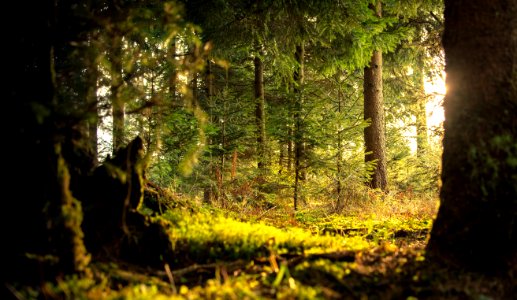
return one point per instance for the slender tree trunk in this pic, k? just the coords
(281, 157)
(92, 101)
(290, 146)
(209, 79)
(172, 73)
(339, 160)
(299, 154)
(420, 113)
(374, 135)
(260, 116)
(234, 165)
(209, 193)
(93, 123)
(117, 101)
(476, 226)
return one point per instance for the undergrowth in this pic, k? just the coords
(372, 249)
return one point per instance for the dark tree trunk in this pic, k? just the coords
(260, 115)
(299, 154)
(209, 79)
(172, 73)
(374, 136)
(117, 102)
(92, 101)
(281, 157)
(208, 192)
(290, 146)
(476, 226)
(44, 219)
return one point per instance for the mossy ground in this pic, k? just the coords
(371, 250)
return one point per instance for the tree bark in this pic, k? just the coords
(208, 192)
(290, 146)
(299, 154)
(117, 102)
(260, 115)
(374, 135)
(476, 224)
(92, 104)
(44, 220)
(172, 73)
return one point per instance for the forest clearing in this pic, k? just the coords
(227, 149)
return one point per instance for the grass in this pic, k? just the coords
(373, 249)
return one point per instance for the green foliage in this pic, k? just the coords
(332, 124)
(211, 237)
(418, 174)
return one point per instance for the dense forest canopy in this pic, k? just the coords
(284, 146)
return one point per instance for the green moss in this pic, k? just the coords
(216, 237)
(71, 217)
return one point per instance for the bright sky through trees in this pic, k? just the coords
(436, 90)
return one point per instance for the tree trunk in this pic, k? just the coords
(44, 220)
(339, 156)
(420, 112)
(208, 192)
(299, 154)
(260, 116)
(374, 136)
(234, 164)
(172, 73)
(476, 224)
(92, 104)
(117, 101)
(67, 234)
(290, 146)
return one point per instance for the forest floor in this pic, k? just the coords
(373, 250)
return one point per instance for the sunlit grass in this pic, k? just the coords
(261, 243)
(212, 237)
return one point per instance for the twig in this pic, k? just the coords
(171, 278)
(264, 213)
(348, 256)
(196, 267)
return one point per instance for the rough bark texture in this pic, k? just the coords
(374, 136)
(477, 221)
(260, 115)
